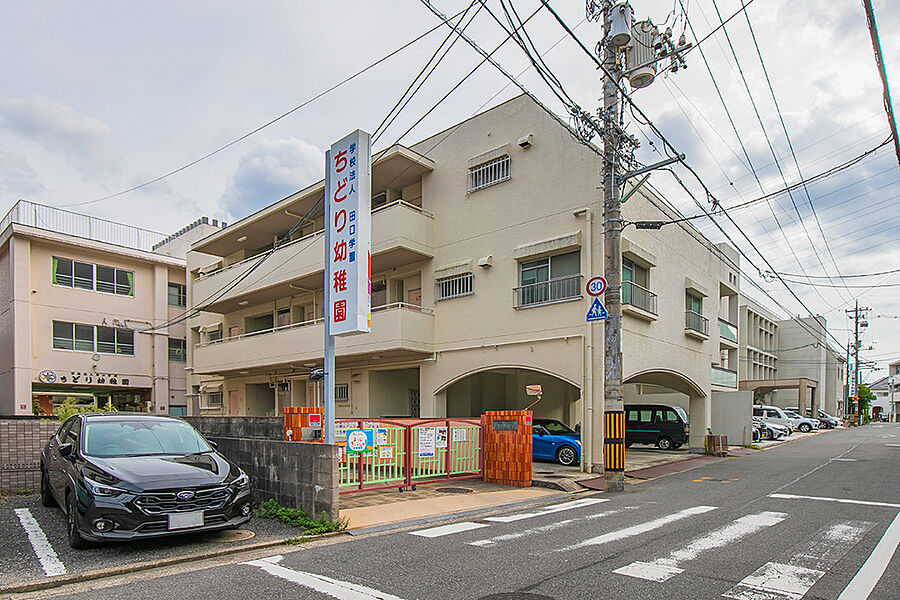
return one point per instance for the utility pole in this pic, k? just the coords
(853, 391)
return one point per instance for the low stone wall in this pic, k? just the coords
(21, 442)
(296, 474)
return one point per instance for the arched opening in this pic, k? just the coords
(670, 388)
(504, 389)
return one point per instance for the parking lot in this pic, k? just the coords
(42, 551)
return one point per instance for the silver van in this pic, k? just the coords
(773, 414)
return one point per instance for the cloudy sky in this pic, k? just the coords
(100, 97)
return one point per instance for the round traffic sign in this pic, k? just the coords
(596, 286)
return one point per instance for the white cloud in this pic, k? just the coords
(17, 178)
(269, 172)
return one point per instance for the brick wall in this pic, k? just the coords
(21, 442)
(507, 452)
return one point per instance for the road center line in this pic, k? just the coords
(868, 576)
(549, 510)
(627, 532)
(342, 590)
(838, 500)
(46, 554)
(434, 532)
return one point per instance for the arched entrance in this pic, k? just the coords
(663, 386)
(503, 388)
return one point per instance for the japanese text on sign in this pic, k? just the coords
(348, 239)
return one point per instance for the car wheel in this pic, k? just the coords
(566, 456)
(46, 495)
(664, 443)
(804, 427)
(74, 535)
(756, 435)
(628, 444)
(768, 434)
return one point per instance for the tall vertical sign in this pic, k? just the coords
(348, 243)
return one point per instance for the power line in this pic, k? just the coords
(879, 61)
(263, 126)
(891, 272)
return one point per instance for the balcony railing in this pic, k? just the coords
(728, 331)
(548, 292)
(723, 377)
(696, 322)
(318, 321)
(639, 297)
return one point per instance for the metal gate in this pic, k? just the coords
(407, 452)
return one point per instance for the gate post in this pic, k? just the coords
(507, 447)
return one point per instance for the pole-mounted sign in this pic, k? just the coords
(595, 286)
(348, 242)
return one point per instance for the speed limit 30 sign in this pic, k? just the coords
(595, 286)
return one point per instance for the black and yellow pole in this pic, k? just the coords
(614, 441)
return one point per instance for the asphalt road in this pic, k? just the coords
(764, 526)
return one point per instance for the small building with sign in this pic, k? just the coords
(76, 293)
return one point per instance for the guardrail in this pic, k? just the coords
(723, 377)
(696, 322)
(547, 292)
(728, 330)
(639, 297)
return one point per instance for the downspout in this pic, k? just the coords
(587, 405)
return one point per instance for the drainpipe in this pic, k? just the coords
(587, 404)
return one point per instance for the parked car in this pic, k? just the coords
(121, 476)
(770, 430)
(773, 414)
(825, 420)
(554, 440)
(664, 425)
(803, 424)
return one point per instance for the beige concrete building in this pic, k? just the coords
(789, 362)
(75, 291)
(483, 237)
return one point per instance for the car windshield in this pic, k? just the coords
(107, 439)
(555, 427)
(681, 413)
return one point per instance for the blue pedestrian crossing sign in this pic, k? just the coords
(597, 311)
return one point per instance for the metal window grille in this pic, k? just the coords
(487, 174)
(213, 399)
(342, 392)
(454, 287)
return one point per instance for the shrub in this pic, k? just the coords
(297, 517)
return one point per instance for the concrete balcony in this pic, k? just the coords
(723, 377)
(396, 328)
(696, 325)
(401, 234)
(728, 334)
(638, 301)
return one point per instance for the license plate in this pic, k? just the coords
(186, 520)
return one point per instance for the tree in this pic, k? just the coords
(866, 398)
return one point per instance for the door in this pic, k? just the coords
(233, 408)
(541, 446)
(414, 297)
(645, 432)
(54, 464)
(234, 331)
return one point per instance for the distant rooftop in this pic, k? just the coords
(51, 218)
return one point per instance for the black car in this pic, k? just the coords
(664, 425)
(127, 476)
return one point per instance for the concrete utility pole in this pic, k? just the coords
(614, 404)
(853, 391)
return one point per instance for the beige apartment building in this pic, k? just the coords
(483, 237)
(75, 294)
(789, 361)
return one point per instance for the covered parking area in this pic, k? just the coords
(804, 386)
(664, 386)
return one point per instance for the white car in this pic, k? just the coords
(773, 414)
(804, 425)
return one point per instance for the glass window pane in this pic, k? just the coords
(84, 276)
(63, 274)
(535, 271)
(124, 341)
(177, 295)
(63, 335)
(645, 416)
(106, 279)
(565, 264)
(124, 282)
(176, 350)
(106, 340)
(84, 337)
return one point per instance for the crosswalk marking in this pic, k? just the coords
(543, 529)
(342, 590)
(838, 500)
(791, 581)
(870, 573)
(548, 510)
(662, 569)
(434, 532)
(627, 532)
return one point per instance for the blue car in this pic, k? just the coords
(553, 440)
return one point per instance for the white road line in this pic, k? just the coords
(342, 590)
(893, 445)
(844, 459)
(791, 581)
(46, 554)
(662, 569)
(543, 529)
(627, 532)
(549, 510)
(434, 532)
(838, 500)
(867, 577)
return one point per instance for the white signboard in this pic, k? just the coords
(441, 437)
(459, 434)
(381, 437)
(348, 234)
(426, 442)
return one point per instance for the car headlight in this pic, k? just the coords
(99, 489)
(241, 481)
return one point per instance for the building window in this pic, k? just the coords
(487, 174)
(693, 303)
(177, 411)
(549, 279)
(214, 336)
(454, 287)
(177, 349)
(213, 400)
(177, 295)
(90, 338)
(342, 392)
(87, 276)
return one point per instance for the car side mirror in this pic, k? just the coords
(212, 444)
(65, 449)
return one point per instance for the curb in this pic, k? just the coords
(61, 580)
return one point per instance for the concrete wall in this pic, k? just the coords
(732, 416)
(265, 428)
